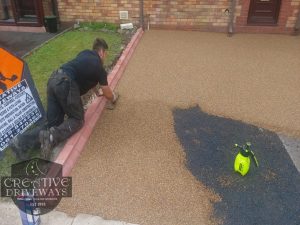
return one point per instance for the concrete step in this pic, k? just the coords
(292, 145)
(95, 220)
(55, 217)
(9, 214)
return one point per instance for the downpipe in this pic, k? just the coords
(142, 14)
(231, 13)
(297, 25)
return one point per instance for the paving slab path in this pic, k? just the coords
(133, 167)
(11, 216)
(21, 43)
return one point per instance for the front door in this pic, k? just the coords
(264, 12)
(26, 10)
(21, 12)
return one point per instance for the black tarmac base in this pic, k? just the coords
(267, 195)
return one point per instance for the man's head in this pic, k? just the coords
(101, 47)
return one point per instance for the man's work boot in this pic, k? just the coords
(47, 143)
(18, 150)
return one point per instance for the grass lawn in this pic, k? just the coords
(57, 52)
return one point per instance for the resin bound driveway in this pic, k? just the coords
(133, 167)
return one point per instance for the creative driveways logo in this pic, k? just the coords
(37, 184)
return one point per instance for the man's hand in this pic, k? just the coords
(111, 96)
(111, 104)
(107, 92)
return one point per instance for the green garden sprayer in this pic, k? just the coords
(242, 160)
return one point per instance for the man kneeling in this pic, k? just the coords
(64, 88)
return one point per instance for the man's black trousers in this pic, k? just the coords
(65, 113)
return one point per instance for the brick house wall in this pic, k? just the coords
(188, 14)
(97, 10)
(204, 15)
(47, 6)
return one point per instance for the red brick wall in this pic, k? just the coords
(177, 14)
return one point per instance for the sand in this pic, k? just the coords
(133, 168)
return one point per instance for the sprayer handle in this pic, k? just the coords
(254, 158)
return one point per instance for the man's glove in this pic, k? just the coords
(111, 104)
